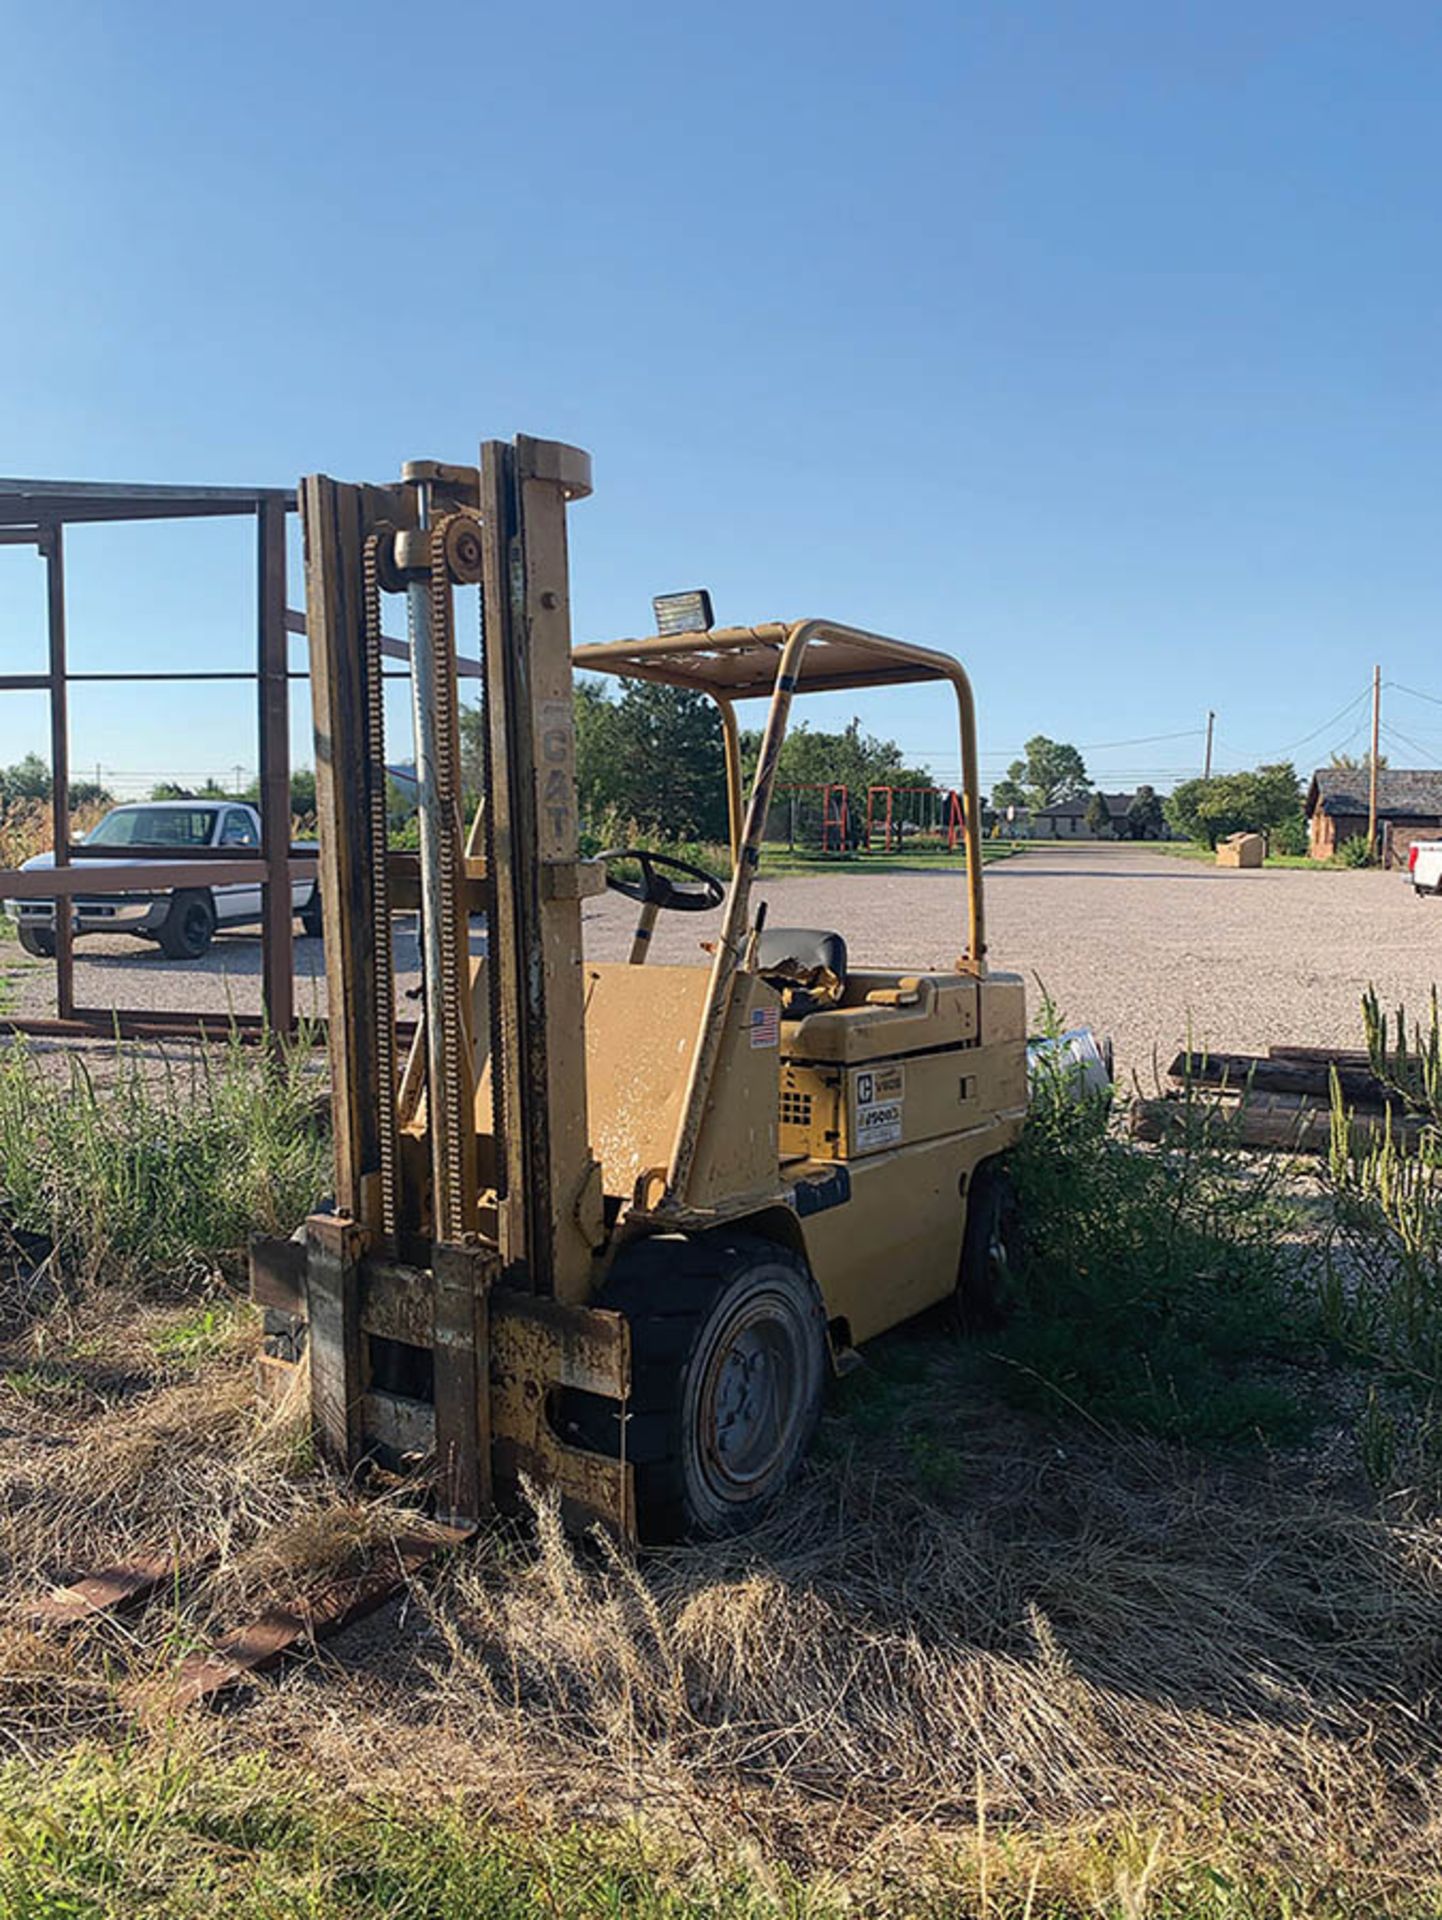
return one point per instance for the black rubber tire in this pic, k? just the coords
(36, 941)
(189, 926)
(311, 924)
(689, 1302)
(990, 1248)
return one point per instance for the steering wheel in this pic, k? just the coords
(654, 889)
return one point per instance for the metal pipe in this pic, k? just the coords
(54, 551)
(729, 943)
(731, 742)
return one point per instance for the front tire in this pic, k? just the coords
(189, 926)
(728, 1369)
(36, 941)
(310, 917)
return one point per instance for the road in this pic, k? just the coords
(1140, 944)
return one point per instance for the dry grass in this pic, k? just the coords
(1014, 1655)
(1087, 1639)
(26, 828)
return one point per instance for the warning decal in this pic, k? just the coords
(880, 1096)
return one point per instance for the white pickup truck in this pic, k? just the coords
(182, 919)
(1424, 865)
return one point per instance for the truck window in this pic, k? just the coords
(239, 829)
(154, 827)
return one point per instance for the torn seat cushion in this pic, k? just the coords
(806, 965)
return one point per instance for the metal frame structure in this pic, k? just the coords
(37, 513)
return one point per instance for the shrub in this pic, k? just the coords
(1289, 836)
(1356, 852)
(1154, 1280)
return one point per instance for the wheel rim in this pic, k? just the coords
(751, 1398)
(197, 926)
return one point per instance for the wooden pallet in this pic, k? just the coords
(1277, 1102)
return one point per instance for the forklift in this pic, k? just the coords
(605, 1229)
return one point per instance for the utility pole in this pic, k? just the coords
(1211, 722)
(1372, 763)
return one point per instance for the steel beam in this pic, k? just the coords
(277, 933)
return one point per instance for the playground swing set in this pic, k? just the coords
(893, 815)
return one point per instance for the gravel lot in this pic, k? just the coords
(1137, 943)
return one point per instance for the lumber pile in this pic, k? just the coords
(1280, 1100)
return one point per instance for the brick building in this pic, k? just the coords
(1409, 807)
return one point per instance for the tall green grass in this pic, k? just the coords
(1159, 1286)
(159, 1165)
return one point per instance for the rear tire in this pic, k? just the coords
(35, 940)
(728, 1369)
(990, 1248)
(189, 926)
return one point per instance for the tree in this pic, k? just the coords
(1009, 793)
(651, 757)
(1251, 802)
(1051, 772)
(1351, 763)
(1144, 818)
(302, 790)
(28, 779)
(1098, 816)
(850, 759)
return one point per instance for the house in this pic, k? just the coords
(1067, 820)
(1409, 807)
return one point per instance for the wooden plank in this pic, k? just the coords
(1312, 1076)
(277, 1273)
(461, 1353)
(1286, 1123)
(334, 1246)
(1340, 1056)
(279, 1630)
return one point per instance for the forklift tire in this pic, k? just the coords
(310, 917)
(36, 941)
(990, 1248)
(728, 1369)
(189, 925)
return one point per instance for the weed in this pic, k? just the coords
(1154, 1282)
(159, 1171)
(198, 1336)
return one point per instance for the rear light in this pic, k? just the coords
(1412, 858)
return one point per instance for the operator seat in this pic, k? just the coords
(805, 965)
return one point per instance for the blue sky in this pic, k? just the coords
(1097, 343)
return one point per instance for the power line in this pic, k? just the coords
(1415, 692)
(1327, 725)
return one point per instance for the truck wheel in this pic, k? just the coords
(990, 1247)
(37, 941)
(310, 920)
(728, 1368)
(189, 925)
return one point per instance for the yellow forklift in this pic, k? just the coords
(605, 1227)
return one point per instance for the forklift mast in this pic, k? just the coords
(443, 1298)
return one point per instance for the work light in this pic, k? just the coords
(684, 612)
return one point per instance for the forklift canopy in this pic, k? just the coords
(742, 663)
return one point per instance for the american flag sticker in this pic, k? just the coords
(766, 1026)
